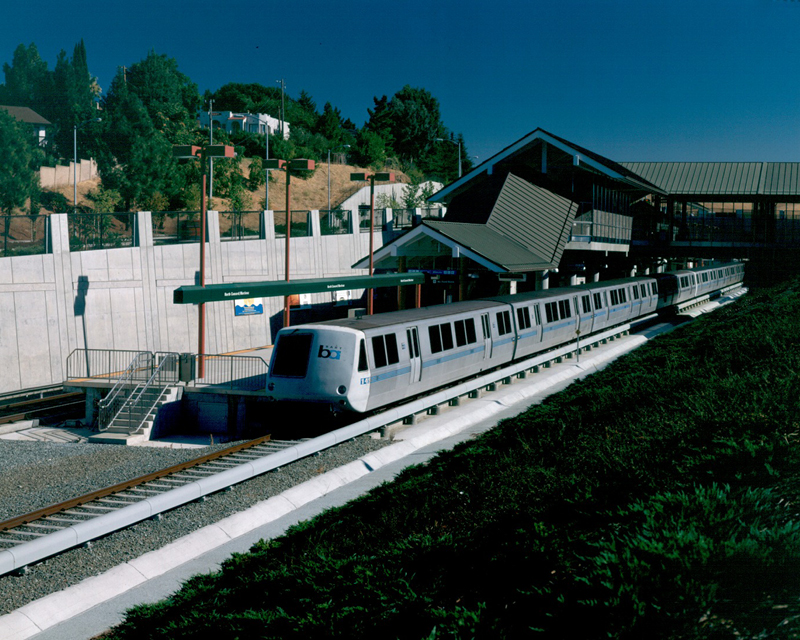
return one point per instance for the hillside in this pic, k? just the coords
(310, 193)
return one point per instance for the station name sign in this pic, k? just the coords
(195, 294)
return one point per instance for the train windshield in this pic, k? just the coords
(291, 355)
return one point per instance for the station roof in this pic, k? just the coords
(510, 226)
(546, 155)
(722, 178)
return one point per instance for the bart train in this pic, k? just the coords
(361, 364)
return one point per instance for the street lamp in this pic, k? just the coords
(372, 177)
(298, 164)
(459, 151)
(204, 154)
(75, 160)
(341, 146)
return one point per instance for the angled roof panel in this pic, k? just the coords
(25, 114)
(708, 178)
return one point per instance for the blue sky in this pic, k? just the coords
(630, 79)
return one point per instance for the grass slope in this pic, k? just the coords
(656, 498)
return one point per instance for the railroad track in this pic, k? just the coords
(49, 407)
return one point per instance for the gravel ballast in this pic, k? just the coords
(36, 475)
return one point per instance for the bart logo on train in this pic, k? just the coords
(329, 352)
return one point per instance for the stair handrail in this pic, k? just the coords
(110, 406)
(164, 375)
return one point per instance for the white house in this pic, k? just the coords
(37, 123)
(231, 122)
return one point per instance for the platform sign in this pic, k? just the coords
(249, 307)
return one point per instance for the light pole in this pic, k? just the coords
(75, 160)
(341, 146)
(372, 177)
(459, 151)
(298, 164)
(204, 154)
(283, 112)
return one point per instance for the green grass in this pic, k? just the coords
(653, 499)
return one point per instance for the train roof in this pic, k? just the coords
(408, 315)
(560, 291)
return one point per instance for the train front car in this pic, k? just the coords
(317, 363)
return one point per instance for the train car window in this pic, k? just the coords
(414, 343)
(565, 308)
(635, 291)
(643, 288)
(503, 323)
(291, 355)
(586, 302)
(524, 318)
(379, 351)
(391, 349)
(469, 323)
(598, 301)
(654, 288)
(362, 356)
(461, 333)
(485, 326)
(614, 297)
(623, 297)
(551, 311)
(436, 338)
(537, 316)
(447, 336)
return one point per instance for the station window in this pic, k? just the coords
(524, 318)
(384, 349)
(503, 323)
(551, 311)
(565, 308)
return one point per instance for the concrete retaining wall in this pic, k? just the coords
(51, 177)
(122, 298)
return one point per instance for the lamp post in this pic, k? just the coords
(341, 146)
(204, 154)
(75, 160)
(372, 177)
(298, 164)
(459, 151)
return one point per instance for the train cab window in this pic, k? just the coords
(362, 356)
(586, 303)
(524, 318)
(564, 308)
(503, 323)
(291, 355)
(384, 350)
(598, 301)
(551, 311)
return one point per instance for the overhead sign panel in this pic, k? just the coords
(195, 294)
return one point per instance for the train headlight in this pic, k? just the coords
(341, 390)
(271, 386)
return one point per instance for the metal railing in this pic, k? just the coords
(240, 225)
(110, 406)
(174, 227)
(248, 373)
(334, 222)
(105, 364)
(301, 226)
(144, 397)
(23, 235)
(90, 231)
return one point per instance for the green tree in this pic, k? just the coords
(370, 149)
(27, 80)
(18, 177)
(415, 123)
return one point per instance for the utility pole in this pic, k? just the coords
(210, 160)
(283, 110)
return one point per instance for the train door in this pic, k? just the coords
(487, 336)
(413, 354)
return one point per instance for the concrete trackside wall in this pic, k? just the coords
(52, 177)
(122, 298)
